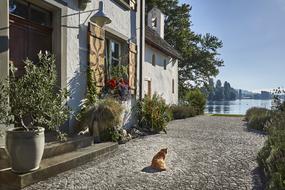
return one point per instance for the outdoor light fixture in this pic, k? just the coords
(100, 18)
(83, 4)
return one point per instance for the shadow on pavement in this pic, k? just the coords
(258, 179)
(150, 169)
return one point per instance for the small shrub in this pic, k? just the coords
(182, 111)
(154, 113)
(281, 107)
(259, 122)
(109, 114)
(109, 111)
(272, 156)
(257, 118)
(196, 99)
(253, 112)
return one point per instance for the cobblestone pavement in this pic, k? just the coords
(203, 153)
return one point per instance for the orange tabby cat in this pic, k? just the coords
(158, 161)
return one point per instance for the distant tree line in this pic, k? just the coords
(219, 92)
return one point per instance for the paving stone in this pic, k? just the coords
(203, 153)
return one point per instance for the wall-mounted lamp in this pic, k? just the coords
(83, 4)
(100, 17)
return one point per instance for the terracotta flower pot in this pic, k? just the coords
(25, 148)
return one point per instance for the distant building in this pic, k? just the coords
(265, 95)
(160, 69)
(240, 94)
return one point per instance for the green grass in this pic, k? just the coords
(227, 115)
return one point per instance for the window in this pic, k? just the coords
(30, 12)
(30, 31)
(153, 60)
(127, 4)
(112, 55)
(173, 86)
(154, 22)
(164, 64)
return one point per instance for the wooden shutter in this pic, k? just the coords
(132, 66)
(96, 47)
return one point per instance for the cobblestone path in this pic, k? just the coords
(203, 153)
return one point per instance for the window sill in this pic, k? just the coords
(123, 4)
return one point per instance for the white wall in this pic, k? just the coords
(161, 80)
(77, 26)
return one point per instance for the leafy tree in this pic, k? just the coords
(200, 52)
(196, 99)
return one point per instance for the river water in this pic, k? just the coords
(236, 106)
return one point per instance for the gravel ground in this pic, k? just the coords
(203, 153)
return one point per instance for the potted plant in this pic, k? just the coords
(34, 106)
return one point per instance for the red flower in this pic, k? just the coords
(111, 83)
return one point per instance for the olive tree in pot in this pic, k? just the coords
(34, 106)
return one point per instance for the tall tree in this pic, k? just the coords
(200, 52)
(227, 90)
(219, 91)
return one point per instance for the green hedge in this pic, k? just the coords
(182, 111)
(257, 118)
(272, 156)
(254, 111)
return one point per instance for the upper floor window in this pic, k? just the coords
(153, 60)
(164, 64)
(112, 55)
(154, 22)
(127, 4)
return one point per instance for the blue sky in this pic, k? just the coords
(253, 33)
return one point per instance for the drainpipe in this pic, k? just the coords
(142, 11)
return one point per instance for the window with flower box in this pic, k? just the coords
(112, 56)
(116, 68)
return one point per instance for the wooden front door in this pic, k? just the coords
(30, 32)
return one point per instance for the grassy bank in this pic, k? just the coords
(227, 115)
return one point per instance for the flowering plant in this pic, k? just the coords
(117, 88)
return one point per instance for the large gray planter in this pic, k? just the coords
(25, 148)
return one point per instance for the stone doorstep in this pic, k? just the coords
(54, 165)
(57, 148)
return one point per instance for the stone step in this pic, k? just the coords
(53, 148)
(58, 148)
(54, 165)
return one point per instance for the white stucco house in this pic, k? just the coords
(160, 69)
(65, 28)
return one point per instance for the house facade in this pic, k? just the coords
(64, 27)
(161, 60)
